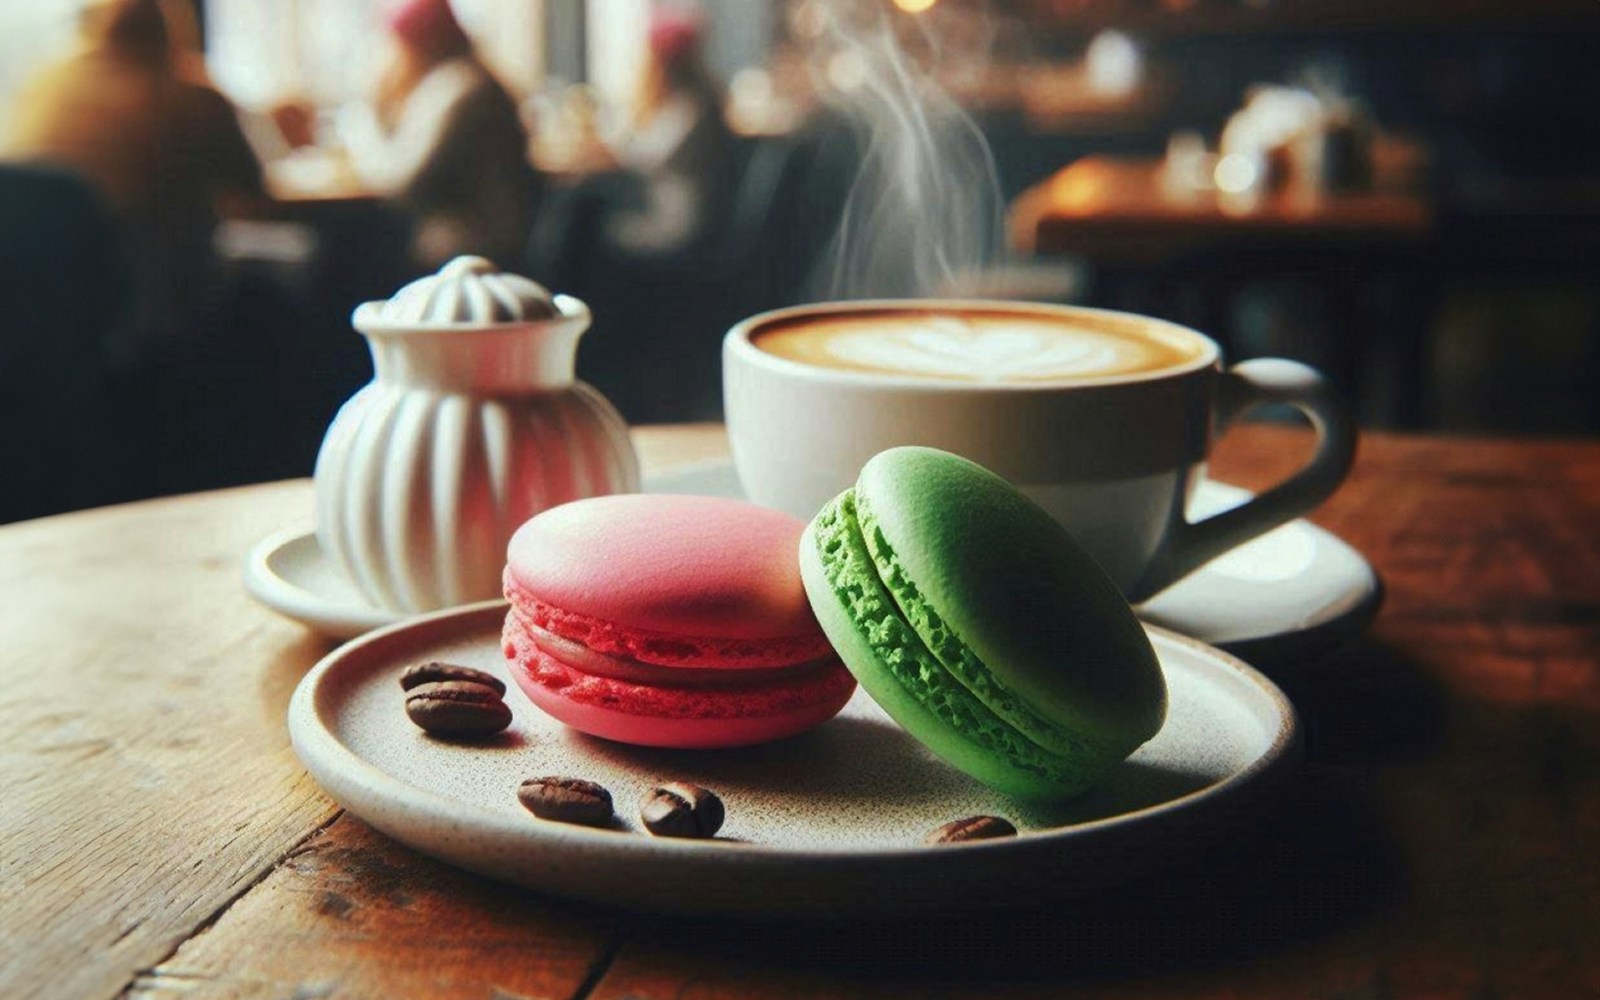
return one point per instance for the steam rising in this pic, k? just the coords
(925, 210)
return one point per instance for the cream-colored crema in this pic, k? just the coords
(980, 346)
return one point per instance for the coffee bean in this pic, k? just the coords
(566, 800)
(971, 828)
(457, 708)
(434, 672)
(680, 809)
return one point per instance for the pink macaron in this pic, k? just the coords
(668, 621)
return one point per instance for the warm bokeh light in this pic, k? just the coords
(846, 71)
(1083, 186)
(1237, 173)
(1112, 63)
(914, 6)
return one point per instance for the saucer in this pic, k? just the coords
(1290, 593)
(827, 823)
(289, 573)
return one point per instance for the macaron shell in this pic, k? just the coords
(1028, 602)
(676, 734)
(966, 737)
(667, 716)
(671, 565)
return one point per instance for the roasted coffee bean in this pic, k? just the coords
(679, 809)
(972, 828)
(435, 672)
(457, 708)
(566, 800)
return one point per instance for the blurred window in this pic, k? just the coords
(33, 33)
(616, 31)
(261, 52)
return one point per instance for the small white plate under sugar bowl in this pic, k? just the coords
(1290, 593)
(289, 573)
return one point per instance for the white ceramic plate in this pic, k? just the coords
(827, 823)
(1287, 594)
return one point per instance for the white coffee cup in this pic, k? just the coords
(1112, 451)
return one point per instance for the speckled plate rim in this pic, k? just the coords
(439, 825)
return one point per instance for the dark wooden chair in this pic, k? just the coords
(63, 288)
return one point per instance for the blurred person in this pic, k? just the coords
(442, 137)
(676, 143)
(636, 235)
(131, 112)
(659, 185)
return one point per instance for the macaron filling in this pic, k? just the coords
(801, 686)
(925, 656)
(581, 658)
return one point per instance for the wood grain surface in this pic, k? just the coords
(158, 838)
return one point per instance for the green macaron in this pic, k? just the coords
(980, 626)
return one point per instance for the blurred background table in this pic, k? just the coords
(1360, 257)
(313, 174)
(160, 839)
(1121, 208)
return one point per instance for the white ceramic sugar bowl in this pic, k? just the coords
(473, 423)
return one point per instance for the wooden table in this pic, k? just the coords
(159, 839)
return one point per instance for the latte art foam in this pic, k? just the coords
(979, 347)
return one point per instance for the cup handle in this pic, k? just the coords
(1240, 388)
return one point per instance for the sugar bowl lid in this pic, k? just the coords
(466, 291)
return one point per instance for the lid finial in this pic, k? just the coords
(467, 290)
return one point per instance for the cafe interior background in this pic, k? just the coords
(194, 195)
